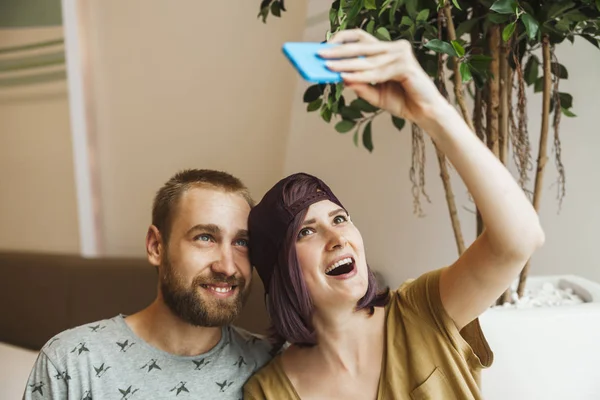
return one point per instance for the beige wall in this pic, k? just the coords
(192, 84)
(376, 188)
(37, 202)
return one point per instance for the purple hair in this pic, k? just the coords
(288, 303)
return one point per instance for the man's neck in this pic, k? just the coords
(159, 327)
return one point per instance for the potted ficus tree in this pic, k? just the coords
(491, 51)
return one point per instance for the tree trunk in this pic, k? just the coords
(478, 123)
(450, 200)
(542, 157)
(493, 90)
(444, 174)
(504, 86)
(458, 83)
(478, 105)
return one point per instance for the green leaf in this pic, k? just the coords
(431, 31)
(465, 72)
(563, 26)
(504, 6)
(567, 113)
(354, 10)
(344, 126)
(393, 10)
(339, 89)
(539, 85)
(411, 7)
(412, 30)
(566, 100)
(355, 138)
(406, 21)
(531, 70)
(265, 4)
(264, 13)
(458, 48)
(531, 25)
(480, 61)
(591, 39)
(508, 31)
(498, 18)
(350, 113)
(439, 46)
(384, 7)
(467, 26)
(455, 2)
(575, 16)
(370, 5)
(326, 114)
(423, 15)
(312, 93)
(367, 137)
(371, 26)
(559, 69)
(383, 34)
(559, 8)
(314, 105)
(276, 9)
(598, 4)
(363, 105)
(398, 122)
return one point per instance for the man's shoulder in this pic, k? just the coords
(76, 340)
(250, 343)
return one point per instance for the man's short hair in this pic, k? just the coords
(167, 197)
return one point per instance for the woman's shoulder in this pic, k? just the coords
(269, 382)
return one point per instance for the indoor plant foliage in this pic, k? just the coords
(491, 51)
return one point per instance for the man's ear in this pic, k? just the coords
(154, 246)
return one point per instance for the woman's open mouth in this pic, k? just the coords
(341, 267)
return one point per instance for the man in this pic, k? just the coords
(181, 345)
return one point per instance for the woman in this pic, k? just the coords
(423, 340)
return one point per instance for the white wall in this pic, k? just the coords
(196, 84)
(377, 191)
(38, 209)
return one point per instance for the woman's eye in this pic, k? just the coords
(304, 232)
(339, 219)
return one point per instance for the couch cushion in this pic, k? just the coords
(44, 294)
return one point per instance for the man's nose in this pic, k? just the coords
(225, 264)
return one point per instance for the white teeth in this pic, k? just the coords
(338, 264)
(219, 289)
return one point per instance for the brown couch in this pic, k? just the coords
(44, 294)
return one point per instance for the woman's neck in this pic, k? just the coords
(346, 340)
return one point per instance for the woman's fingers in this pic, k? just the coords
(362, 63)
(352, 35)
(366, 92)
(352, 50)
(381, 74)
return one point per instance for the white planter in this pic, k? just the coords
(545, 353)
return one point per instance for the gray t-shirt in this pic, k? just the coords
(106, 360)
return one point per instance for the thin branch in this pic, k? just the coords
(542, 152)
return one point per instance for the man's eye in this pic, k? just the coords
(203, 238)
(242, 242)
(304, 232)
(339, 219)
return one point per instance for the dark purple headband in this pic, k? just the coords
(270, 218)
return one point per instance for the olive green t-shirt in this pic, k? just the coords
(425, 356)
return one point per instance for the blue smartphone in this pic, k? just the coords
(304, 57)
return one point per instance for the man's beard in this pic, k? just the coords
(188, 304)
